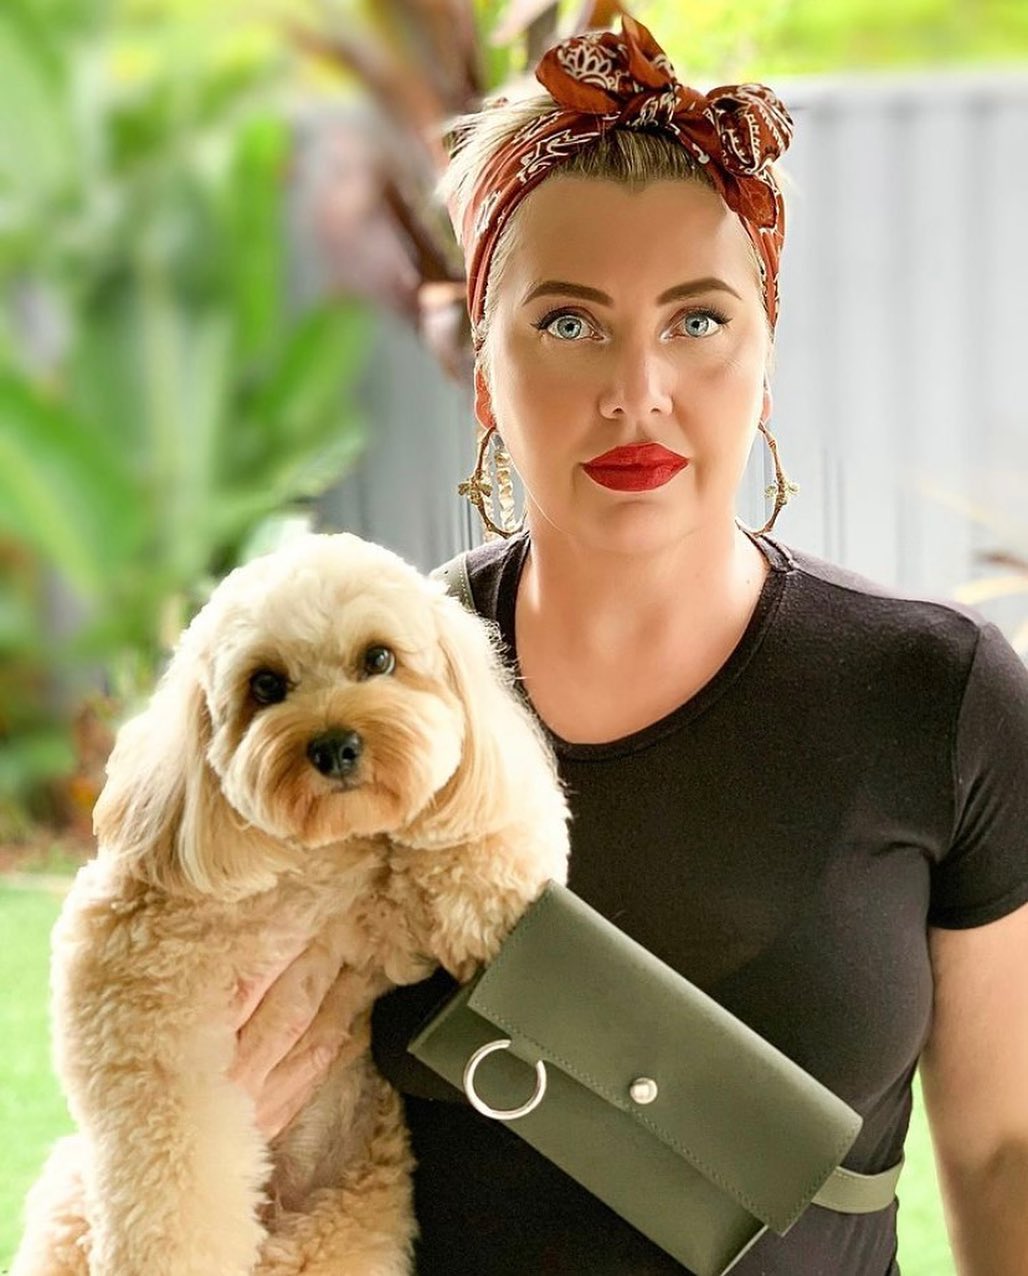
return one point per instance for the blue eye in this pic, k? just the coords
(710, 320)
(564, 325)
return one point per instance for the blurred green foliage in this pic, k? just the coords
(159, 393)
(761, 39)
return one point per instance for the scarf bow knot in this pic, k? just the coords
(629, 82)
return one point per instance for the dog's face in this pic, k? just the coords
(326, 691)
(332, 708)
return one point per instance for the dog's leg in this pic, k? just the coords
(470, 900)
(55, 1241)
(364, 1227)
(175, 1166)
(175, 1178)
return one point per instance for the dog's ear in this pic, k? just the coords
(505, 758)
(162, 811)
(139, 815)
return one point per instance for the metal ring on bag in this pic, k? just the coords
(510, 1114)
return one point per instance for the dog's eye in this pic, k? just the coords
(379, 660)
(268, 687)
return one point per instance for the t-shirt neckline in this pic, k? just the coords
(780, 563)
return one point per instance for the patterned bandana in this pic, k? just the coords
(604, 81)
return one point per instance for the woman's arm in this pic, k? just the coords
(974, 1073)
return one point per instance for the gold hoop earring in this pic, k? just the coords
(478, 489)
(781, 490)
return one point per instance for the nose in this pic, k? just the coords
(638, 384)
(335, 753)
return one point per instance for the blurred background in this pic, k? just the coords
(230, 311)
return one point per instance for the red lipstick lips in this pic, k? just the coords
(639, 467)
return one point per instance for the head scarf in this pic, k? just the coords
(601, 81)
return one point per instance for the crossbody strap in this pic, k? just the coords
(852, 1193)
(454, 575)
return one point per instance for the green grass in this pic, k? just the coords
(923, 1247)
(32, 1113)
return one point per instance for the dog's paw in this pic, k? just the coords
(409, 968)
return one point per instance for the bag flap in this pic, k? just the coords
(570, 988)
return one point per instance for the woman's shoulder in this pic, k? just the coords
(843, 600)
(886, 642)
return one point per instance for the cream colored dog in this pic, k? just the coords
(334, 752)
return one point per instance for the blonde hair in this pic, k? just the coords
(630, 157)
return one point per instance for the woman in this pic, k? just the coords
(806, 794)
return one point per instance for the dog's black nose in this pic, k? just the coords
(335, 753)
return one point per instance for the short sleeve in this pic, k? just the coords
(984, 874)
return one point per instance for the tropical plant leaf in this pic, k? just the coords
(39, 156)
(63, 490)
(202, 416)
(254, 237)
(292, 477)
(301, 401)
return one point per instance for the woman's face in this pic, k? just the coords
(622, 318)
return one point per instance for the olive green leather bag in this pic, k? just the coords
(682, 1119)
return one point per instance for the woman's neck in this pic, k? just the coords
(606, 604)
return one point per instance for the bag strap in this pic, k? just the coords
(454, 575)
(852, 1193)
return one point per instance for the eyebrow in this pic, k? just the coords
(562, 288)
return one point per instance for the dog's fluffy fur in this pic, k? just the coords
(222, 851)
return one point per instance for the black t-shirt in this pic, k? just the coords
(855, 772)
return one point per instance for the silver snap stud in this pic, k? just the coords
(643, 1090)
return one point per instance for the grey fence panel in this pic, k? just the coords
(902, 358)
(905, 323)
(420, 445)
